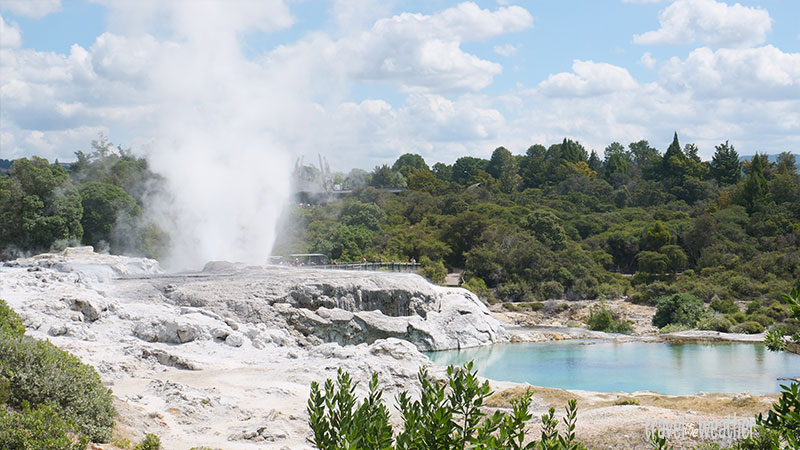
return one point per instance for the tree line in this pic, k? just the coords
(97, 201)
(562, 222)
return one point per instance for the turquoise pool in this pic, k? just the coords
(606, 366)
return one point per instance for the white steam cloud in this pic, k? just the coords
(226, 177)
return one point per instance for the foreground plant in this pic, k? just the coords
(48, 398)
(446, 416)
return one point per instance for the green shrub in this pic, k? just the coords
(724, 306)
(478, 287)
(682, 309)
(532, 306)
(626, 401)
(763, 319)
(446, 416)
(753, 306)
(674, 327)
(776, 311)
(516, 292)
(737, 317)
(715, 323)
(40, 373)
(150, 442)
(603, 319)
(511, 306)
(36, 429)
(749, 327)
(432, 270)
(10, 321)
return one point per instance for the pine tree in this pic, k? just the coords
(673, 163)
(754, 191)
(725, 165)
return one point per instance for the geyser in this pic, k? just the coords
(226, 177)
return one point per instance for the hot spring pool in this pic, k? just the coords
(605, 366)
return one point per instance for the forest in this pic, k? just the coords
(559, 222)
(556, 222)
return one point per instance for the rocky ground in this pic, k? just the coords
(224, 358)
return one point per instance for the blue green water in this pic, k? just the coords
(632, 366)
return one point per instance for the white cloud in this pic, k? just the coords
(588, 78)
(711, 22)
(757, 73)
(422, 52)
(10, 36)
(413, 52)
(507, 49)
(647, 60)
(35, 9)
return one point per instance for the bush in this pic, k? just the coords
(150, 442)
(763, 319)
(753, 306)
(715, 323)
(673, 327)
(749, 327)
(432, 270)
(776, 311)
(10, 321)
(782, 420)
(447, 415)
(724, 306)
(532, 306)
(681, 309)
(40, 373)
(511, 306)
(737, 317)
(603, 319)
(478, 287)
(39, 429)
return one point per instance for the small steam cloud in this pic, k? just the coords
(212, 129)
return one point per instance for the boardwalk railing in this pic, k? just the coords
(375, 267)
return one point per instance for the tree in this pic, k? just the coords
(725, 166)
(646, 158)
(656, 236)
(503, 167)
(755, 189)
(368, 215)
(652, 262)
(409, 163)
(443, 171)
(676, 257)
(681, 309)
(533, 172)
(48, 207)
(547, 229)
(467, 167)
(385, 177)
(104, 206)
(617, 164)
(572, 151)
(674, 161)
(594, 162)
(786, 163)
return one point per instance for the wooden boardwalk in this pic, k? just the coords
(403, 267)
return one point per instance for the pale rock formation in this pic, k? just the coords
(224, 358)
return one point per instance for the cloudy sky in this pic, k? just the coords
(363, 81)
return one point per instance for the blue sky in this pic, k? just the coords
(363, 81)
